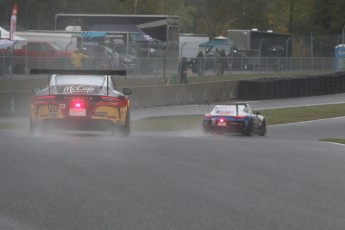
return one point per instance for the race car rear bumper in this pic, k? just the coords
(78, 124)
(229, 127)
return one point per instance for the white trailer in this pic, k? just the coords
(189, 44)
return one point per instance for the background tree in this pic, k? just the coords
(211, 17)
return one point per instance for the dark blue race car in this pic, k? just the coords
(234, 118)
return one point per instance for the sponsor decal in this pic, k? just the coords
(53, 114)
(78, 89)
(100, 114)
(52, 108)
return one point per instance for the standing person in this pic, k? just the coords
(200, 60)
(182, 70)
(76, 59)
(222, 62)
(8, 63)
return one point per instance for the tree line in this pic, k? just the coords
(211, 17)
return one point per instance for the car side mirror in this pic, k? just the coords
(127, 91)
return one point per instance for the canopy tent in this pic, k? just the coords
(92, 35)
(218, 42)
(6, 35)
(5, 43)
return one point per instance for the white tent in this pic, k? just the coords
(5, 43)
(6, 35)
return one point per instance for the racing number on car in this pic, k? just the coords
(52, 108)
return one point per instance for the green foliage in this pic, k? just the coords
(212, 17)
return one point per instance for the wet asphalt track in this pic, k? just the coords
(175, 180)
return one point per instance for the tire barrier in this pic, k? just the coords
(275, 88)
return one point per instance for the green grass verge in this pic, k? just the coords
(305, 113)
(334, 140)
(273, 117)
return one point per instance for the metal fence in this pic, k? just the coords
(160, 67)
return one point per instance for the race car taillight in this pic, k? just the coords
(78, 104)
(46, 98)
(113, 99)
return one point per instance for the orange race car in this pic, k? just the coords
(80, 100)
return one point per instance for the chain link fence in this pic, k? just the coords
(299, 54)
(163, 68)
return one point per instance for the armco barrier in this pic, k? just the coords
(198, 93)
(274, 88)
(145, 96)
(192, 93)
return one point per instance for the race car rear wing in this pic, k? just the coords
(78, 72)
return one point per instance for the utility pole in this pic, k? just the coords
(135, 6)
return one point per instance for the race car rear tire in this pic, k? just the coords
(125, 130)
(263, 129)
(247, 131)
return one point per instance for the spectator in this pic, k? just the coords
(76, 59)
(182, 70)
(222, 62)
(7, 63)
(200, 63)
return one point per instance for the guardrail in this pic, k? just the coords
(145, 96)
(196, 93)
